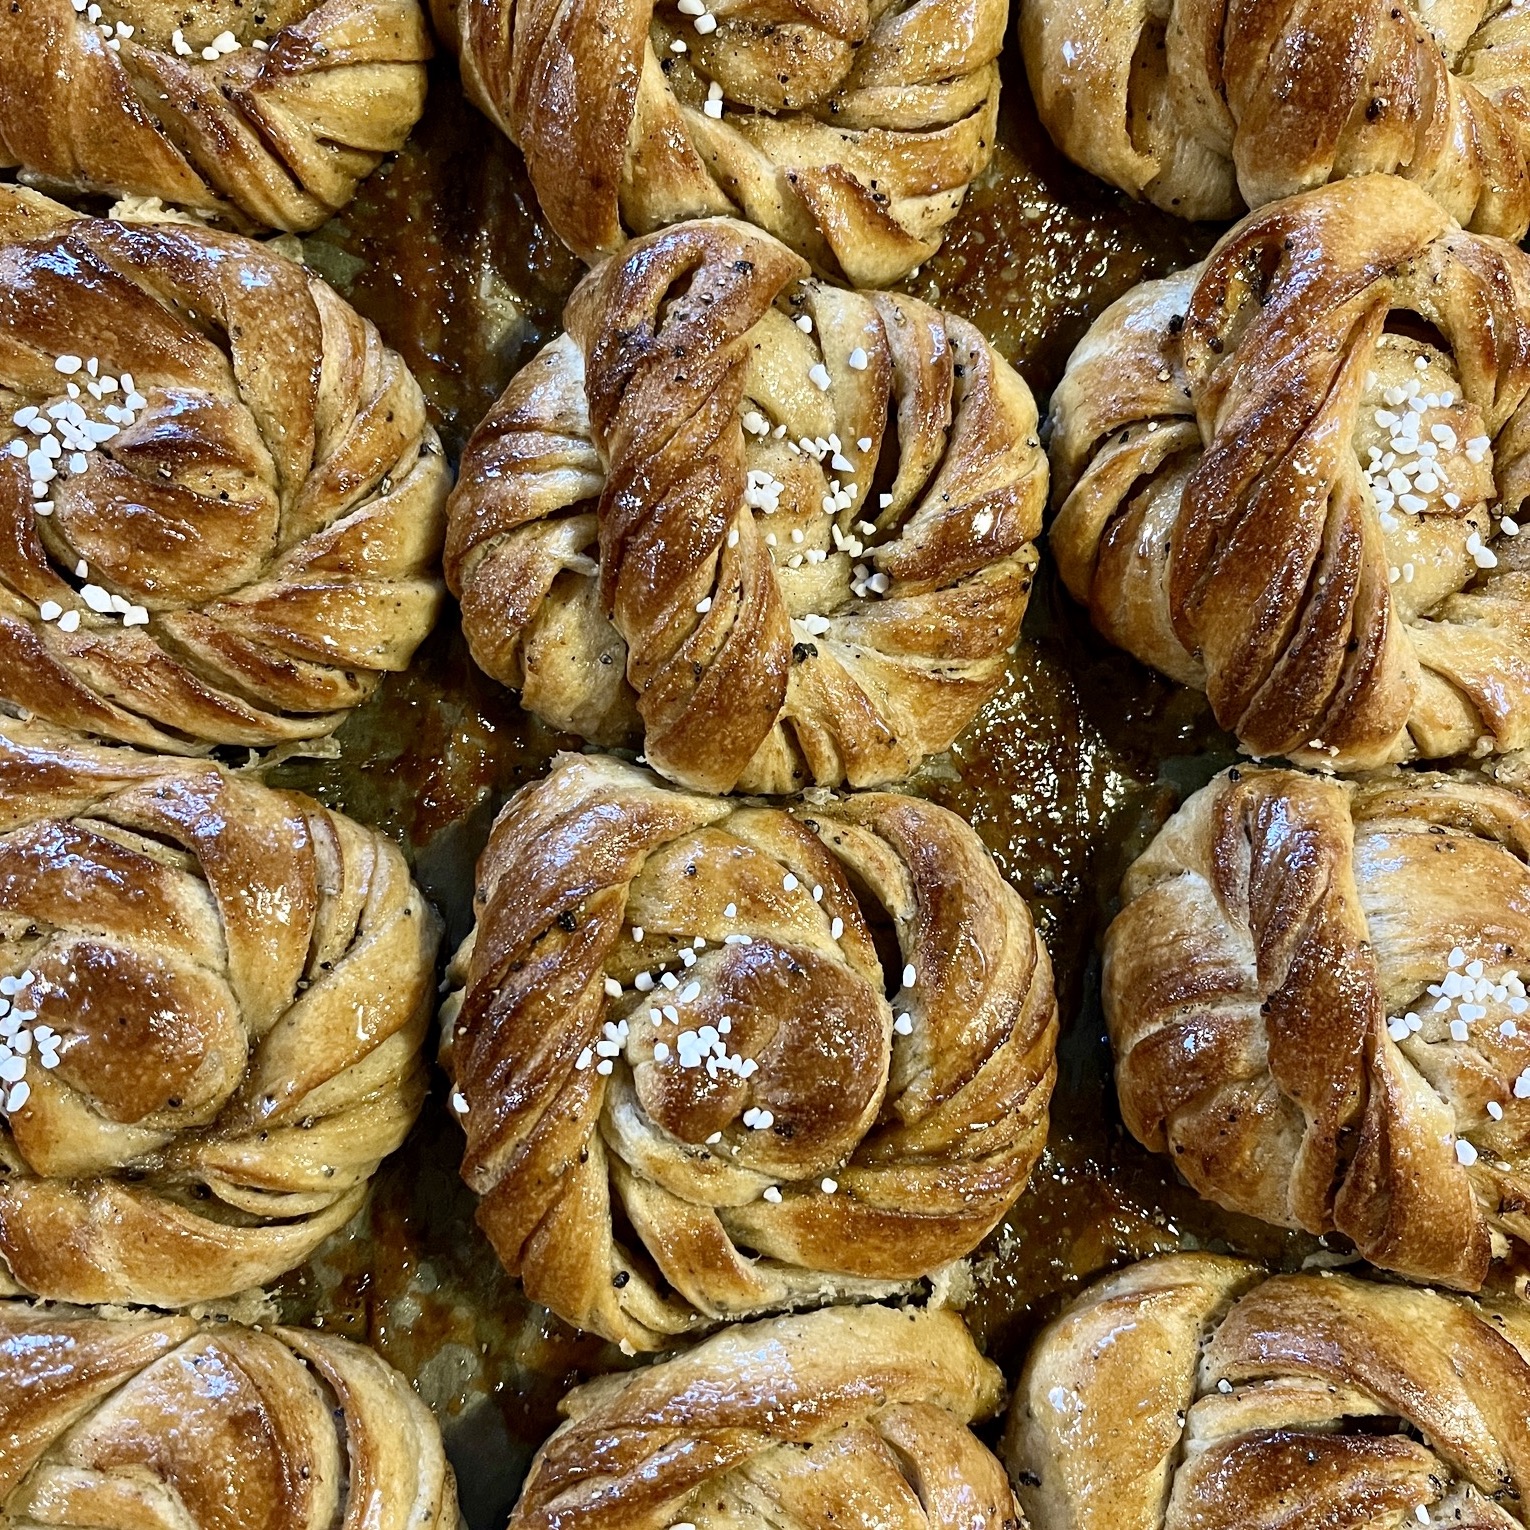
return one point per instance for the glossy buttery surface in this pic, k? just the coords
(1066, 775)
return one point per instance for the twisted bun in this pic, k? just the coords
(221, 496)
(1190, 1393)
(1203, 108)
(772, 553)
(675, 1009)
(266, 117)
(1314, 995)
(161, 1422)
(849, 131)
(216, 995)
(1290, 476)
(856, 1409)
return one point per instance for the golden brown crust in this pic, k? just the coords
(1290, 476)
(1203, 106)
(264, 510)
(850, 130)
(1190, 1393)
(1313, 994)
(852, 1144)
(644, 548)
(237, 983)
(275, 134)
(852, 1413)
(164, 1421)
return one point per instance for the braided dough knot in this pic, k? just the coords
(862, 1406)
(717, 1059)
(223, 991)
(1189, 1392)
(150, 1420)
(774, 531)
(271, 128)
(849, 130)
(223, 502)
(1204, 107)
(1314, 995)
(1290, 476)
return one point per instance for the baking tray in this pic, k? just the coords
(1066, 775)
